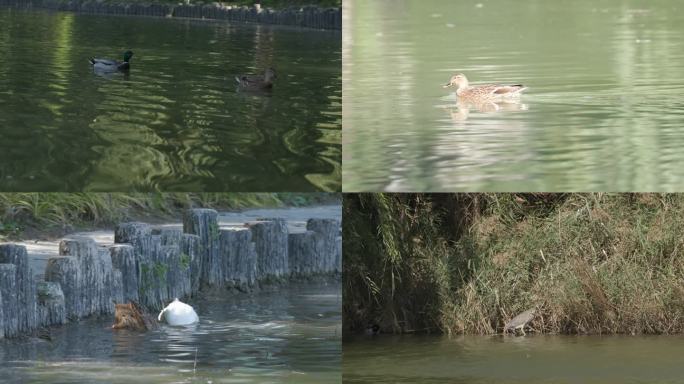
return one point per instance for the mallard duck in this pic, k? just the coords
(178, 313)
(106, 65)
(257, 82)
(486, 92)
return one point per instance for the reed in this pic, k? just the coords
(467, 263)
(21, 210)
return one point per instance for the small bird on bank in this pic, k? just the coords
(519, 322)
(257, 82)
(485, 92)
(107, 65)
(372, 330)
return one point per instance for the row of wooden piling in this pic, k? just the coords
(153, 265)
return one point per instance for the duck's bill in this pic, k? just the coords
(446, 85)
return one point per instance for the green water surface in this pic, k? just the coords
(604, 110)
(514, 360)
(176, 121)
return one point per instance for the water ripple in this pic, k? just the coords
(178, 105)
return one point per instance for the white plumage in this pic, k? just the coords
(178, 313)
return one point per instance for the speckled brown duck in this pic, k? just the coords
(483, 93)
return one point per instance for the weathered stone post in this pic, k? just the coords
(123, 259)
(96, 273)
(26, 290)
(190, 255)
(270, 240)
(325, 234)
(146, 248)
(169, 236)
(153, 269)
(64, 271)
(316, 250)
(111, 291)
(51, 308)
(117, 287)
(134, 233)
(239, 258)
(8, 291)
(301, 253)
(2, 316)
(177, 276)
(338, 264)
(204, 223)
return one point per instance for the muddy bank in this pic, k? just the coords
(307, 17)
(154, 264)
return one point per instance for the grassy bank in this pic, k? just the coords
(467, 263)
(58, 212)
(279, 4)
(274, 4)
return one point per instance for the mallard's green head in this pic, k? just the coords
(128, 55)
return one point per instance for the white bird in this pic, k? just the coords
(178, 313)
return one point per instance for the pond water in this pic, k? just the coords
(530, 359)
(604, 110)
(176, 121)
(290, 335)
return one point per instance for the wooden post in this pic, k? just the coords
(270, 239)
(204, 224)
(239, 258)
(25, 287)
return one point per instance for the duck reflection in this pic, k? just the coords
(461, 110)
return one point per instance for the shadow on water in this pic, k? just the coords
(288, 335)
(499, 359)
(176, 121)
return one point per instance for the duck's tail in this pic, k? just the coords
(520, 90)
(237, 79)
(91, 61)
(509, 90)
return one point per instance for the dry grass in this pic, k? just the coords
(591, 263)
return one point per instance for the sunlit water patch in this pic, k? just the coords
(604, 109)
(176, 121)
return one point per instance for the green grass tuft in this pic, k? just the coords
(19, 211)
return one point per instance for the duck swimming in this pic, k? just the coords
(106, 65)
(483, 93)
(178, 313)
(257, 82)
(372, 330)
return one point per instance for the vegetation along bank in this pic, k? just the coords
(318, 14)
(469, 263)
